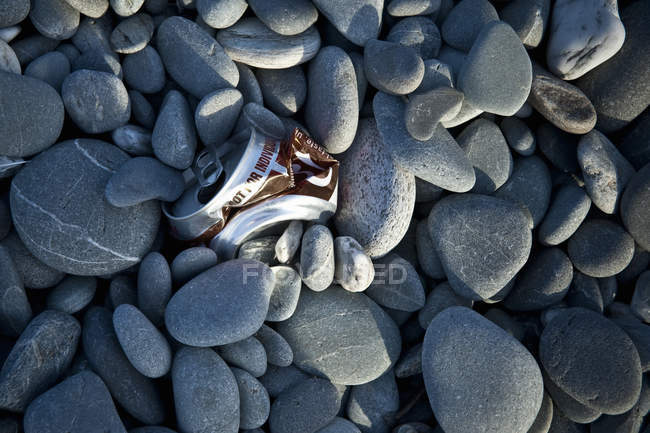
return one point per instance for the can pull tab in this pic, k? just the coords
(207, 168)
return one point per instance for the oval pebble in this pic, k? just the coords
(392, 68)
(286, 291)
(142, 110)
(191, 262)
(278, 351)
(132, 34)
(73, 294)
(357, 20)
(52, 68)
(635, 212)
(15, 310)
(33, 273)
(289, 242)
(133, 139)
(354, 270)
(220, 14)
(286, 17)
(263, 120)
(248, 354)
(568, 209)
(8, 60)
(174, 137)
(284, 90)
(248, 85)
(419, 33)
(13, 12)
(465, 21)
(154, 287)
(55, 19)
(278, 379)
(126, 8)
(520, 138)
(529, 20)
(144, 71)
(254, 401)
(396, 284)
(439, 299)
(122, 290)
(372, 406)
(340, 425)
(317, 258)
(427, 257)
(216, 115)
(425, 110)
(585, 293)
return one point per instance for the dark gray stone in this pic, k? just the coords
(278, 351)
(528, 19)
(439, 299)
(69, 51)
(220, 14)
(278, 379)
(15, 310)
(608, 289)
(216, 115)
(13, 12)
(465, 22)
(191, 262)
(286, 291)
(132, 34)
(354, 270)
(33, 273)
(635, 146)
(317, 258)
(630, 421)
(419, 33)
(362, 81)
(73, 294)
(54, 19)
(585, 293)
(94, 34)
(635, 212)
(263, 120)
(102, 61)
(396, 285)
(286, 17)
(248, 354)
(248, 85)
(174, 137)
(340, 425)
(52, 68)
(5, 220)
(144, 71)
(561, 424)
(436, 74)
(254, 401)
(410, 363)
(426, 109)
(559, 147)
(357, 20)
(122, 290)
(640, 303)
(133, 139)
(142, 110)
(391, 67)
(506, 322)
(284, 90)
(519, 136)
(568, 209)
(639, 333)
(32, 47)
(427, 256)
(373, 405)
(544, 417)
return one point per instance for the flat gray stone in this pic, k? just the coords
(174, 137)
(439, 299)
(54, 19)
(248, 354)
(568, 209)
(33, 273)
(52, 68)
(528, 19)
(426, 109)
(15, 310)
(373, 405)
(220, 14)
(144, 71)
(396, 284)
(518, 135)
(284, 90)
(278, 351)
(254, 401)
(419, 33)
(354, 270)
(391, 67)
(284, 297)
(133, 139)
(191, 262)
(132, 34)
(216, 115)
(263, 120)
(90, 8)
(634, 210)
(73, 294)
(465, 22)
(13, 12)
(357, 20)
(289, 242)
(286, 17)
(317, 258)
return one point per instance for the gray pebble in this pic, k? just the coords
(73, 294)
(634, 210)
(317, 258)
(343, 336)
(639, 263)
(284, 90)
(13, 12)
(407, 8)
(392, 68)
(142, 110)
(354, 270)
(289, 242)
(357, 20)
(141, 179)
(225, 304)
(54, 19)
(519, 136)
(284, 297)
(286, 17)
(529, 20)
(52, 68)
(505, 322)
(248, 85)
(254, 401)
(427, 256)
(453, 58)
(260, 249)
(248, 354)
(465, 21)
(132, 34)
(278, 351)
(191, 262)
(544, 417)
(362, 81)
(122, 290)
(396, 284)
(278, 379)
(436, 74)
(33, 273)
(42, 353)
(410, 363)
(340, 425)
(152, 429)
(144, 71)
(32, 115)
(174, 138)
(126, 8)
(206, 394)
(419, 33)
(154, 287)
(585, 293)
(568, 209)
(193, 58)
(103, 61)
(640, 303)
(467, 112)
(217, 114)
(440, 298)
(90, 8)
(263, 120)
(635, 146)
(482, 242)
(15, 310)
(425, 109)
(8, 34)
(137, 394)
(32, 47)
(133, 139)
(220, 14)
(608, 289)
(94, 34)
(639, 333)
(8, 60)
(373, 405)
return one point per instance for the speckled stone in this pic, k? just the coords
(102, 61)
(73, 294)
(174, 137)
(278, 351)
(133, 139)
(317, 258)
(8, 60)
(419, 33)
(286, 17)
(132, 34)
(15, 310)
(357, 20)
(220, 14)
(54, 19)
(13, 12)
(191, 262)
(391, 67)
(406, 8)
(286, 291)
(126, 8)
(529, 20)
(248, 354)
(354, 270)
(372, 406)
(289, 242)
(254, 401)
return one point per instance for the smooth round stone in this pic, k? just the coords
(254, 401)
(80, 403)
(518, 135)
(137, 394)
(96, 101)
(426, 253)
(391, 67)
(174, 137)
(544, 417)
(640, 303)
(465, 21)
(52, 68)
(225, 304)
(407, 8)
(482, 242)
(376, 197)
(144, 71)
(133, 139)
(579, 347)
(354, 270)
(33, 273)
(284, 90)
(248, 85)
(250, 42)
(126, 8)
(372, 406)
(32, 115)
(263, 120)
(103, 61)
(142, 179)
(193, 58)
(284, 297)
(15, 310)
(72, 295)
(27, 372)
(217, 114)
(544, 281)
(585, 293)
(278, 351)
(142, 110)
(143, 344)
(332, 108)
(13, 12)
(220, 14)
(58, 231)
(342, 336)
(278, 379)
(307, 407)
(32, 47)
(90, 8)
(468, 364)
(561, 103)
(426, 109)
(529, 20)
(396, 284)
(206, 395)
(286, 17)
(488, 152)
(132, 34)
(419, 33)
(357, 20)
(568, 209)
(122, 290)
(600, 248)
(584, 35)
(340, 425)
(260, 249)
(289, 242)
(248, 354)
(635, 212)
(439, 299)
(438, 160)
(529, 185)
(8, 60)
(54, 19)
(191, 262)
(94, 34)
(497, 75)
(605, 171)
(154, 287)
(317, 258)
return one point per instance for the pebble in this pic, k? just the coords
(284, 90)
(497, 75)
(436, 74)
(376, 197)
(600, 248)
(278, 379)
(220, 14)
(286, 17)
(354, 270)
(635, 145)
(216, 115)
(340, 425)
(585, 293)
(42, 353)
(69, 51)
(250, 42)
(567, 211)
(264, 120)
(225, 304)
(518, 135)
(317, 258)
(332, 107)
(468, 364)
(640, 303)
(487, 150)
(407, 8)
(396, 284)
(425, 110)
(142, 110)
(544, 281)
(132, 34)
(154, 287)
(90, 8)
(33, 115)
(8, 34)
(248, 354)
(578, 347)
(465, 22)
(191, 262)
(278, 351)
(52, 68)
(193, 58)
(306, 407)
(72, 295)
(357, 20)
(410, 364)
(289, 242)
(133, 139)
(608, 289)
(142, 179)
(248, 85)
(79, 404)
(482, 242)
(54, 19)
(391, 67)
(13, 12)
(174, 137)
(64, 239)
(639, 333)
(15, 310)
(419, 33)
(630, 421)
(93, 34)
(260, 249)
(342, 336)
(143, 344)
(284, 297)
(33, 273)
(126, 8)
(102, 61)
(144, 71)
(362, 81)
(8, 60)
(529, 20)
(152, 429)
(373, 405)
(254, 401)
(206, 394)
(583, 35)
(32, 47)
(137, 394)
(439, 299)
(604, 170)
(426, 253)
(634, 210)
(438, 160)
(544, 417)
(122, 290)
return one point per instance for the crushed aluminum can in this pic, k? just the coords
(253, 188)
